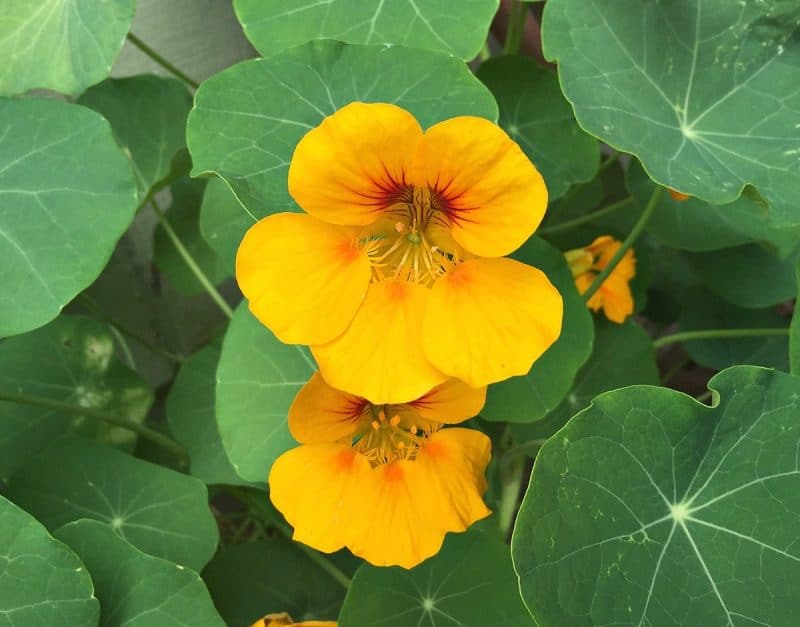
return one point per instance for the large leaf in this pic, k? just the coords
(470, 583)
(66, 196)
(794, 334)
(248, 119)
(257, 379)
(71, 360)
(250, 580)
(223, 221)
(431, 24)
(650, 508)
(64, 45)
(535, 114)
(135, 588)
(702, 91)
(530, 397)
(160, 511)
(42, 582)
(148, 116)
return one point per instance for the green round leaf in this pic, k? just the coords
(697, 89)
(650, 508)
(794, 333)
(66, 196)
(135, 588)
(430, 24)
(223, 221)
(470, 582)
(273, 575)
(63, 45)
(148, 116)
(535, 114)
(42, 582)
(248, 119)
(71, 360)
(530, 397)
(257, 379)
(160, 511)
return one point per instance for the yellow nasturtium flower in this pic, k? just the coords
(614, 295)
(396, 275)
(385, 481)
(282, 619)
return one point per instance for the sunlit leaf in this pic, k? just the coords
(223, 221)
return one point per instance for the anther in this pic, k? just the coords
(382, 415)
(414, 429)
(375, 425)
(395, 420)
(400, 227)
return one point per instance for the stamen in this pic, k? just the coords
(395, 420)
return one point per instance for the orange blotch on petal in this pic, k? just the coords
(321, 413)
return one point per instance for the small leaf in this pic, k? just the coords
(42, 582)
(135, 588)
(158, 510)
(223, 221)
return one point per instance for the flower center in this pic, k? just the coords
(393, 439)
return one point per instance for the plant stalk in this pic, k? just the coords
(716, 334)
(589, 217)
(162, 61)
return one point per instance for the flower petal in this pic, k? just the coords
(493, 195)
(352, 166)
(316, 487)
(380, 355)
(320, 413)
(451, 402)
(490, 319)
(304, 279)
(615, 297)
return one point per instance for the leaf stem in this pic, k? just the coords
(626, 244)
(190, 262)
(513, 474)
(79, 410)
(716, 334)
(161, 61)
(589, 217)
(516, 27)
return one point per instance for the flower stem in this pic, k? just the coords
(626, 244)
(190, 262)
(138, 428)
(512, 476)
(161, 61)
(589, 217)
(716, 334)
(516, 27)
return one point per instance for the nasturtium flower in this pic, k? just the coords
(282, 619)
(386, 481)
(676, 195)
(395, 275)
(614, 295)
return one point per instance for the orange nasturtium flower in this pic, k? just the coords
(614, 295)
(396, 275)
(676, 195)
(282, 619)
(386, 481)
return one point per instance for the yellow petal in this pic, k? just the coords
(315, 487)
(616, 298)
(320, 413)
(490, 319)
(303, 278)
(492, 194)
(282, 619)
(354, 164)
(451, 402)
(380, 355)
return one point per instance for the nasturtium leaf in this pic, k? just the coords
(268, 576)
(42, 582)
(63, 45)
(184, 218)
(530, 397)
(257, 379)
(697, 89)
(650, 508)
(470, 582)
(248, 119)
(71, 360)
(750, 276)
(794, 334)
(192, 419)
(67, 194)
(135, 588)
(535, 114)
(223, 221)
(430, 24)
(148, 116)
(160, 511)
(703, 310)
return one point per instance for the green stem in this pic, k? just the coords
(716, 334)
(672, 372)
(485, 54)
(138, 428)
(190, 262)
(161, 61)
(524, 448)
(513, 474)
(589, 217)
(516, 27)
(702, 398)
(612, 159)
(626, 244)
